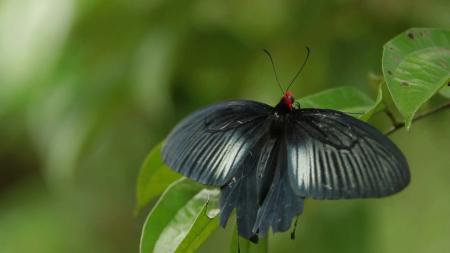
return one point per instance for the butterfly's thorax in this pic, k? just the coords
(286, 103)
(277, 124)
(280, 114)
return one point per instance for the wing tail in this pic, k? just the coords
(281, 204)
(261, 193)
(240, 193)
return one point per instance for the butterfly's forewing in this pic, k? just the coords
(211, 144)
(332, 155)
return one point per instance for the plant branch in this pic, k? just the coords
(398, 126)
(395, 123)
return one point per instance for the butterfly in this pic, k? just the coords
(268, 160)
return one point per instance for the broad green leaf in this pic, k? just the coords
(376, 107)
(246, 246)
(172, 201)
(388, 102)
(346, 99)
(154, 178)
(192, 225)
(416, 65)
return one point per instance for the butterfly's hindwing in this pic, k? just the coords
(260, 191)
(240, 193)
(280, 204)
(212, 143)
(332, 155)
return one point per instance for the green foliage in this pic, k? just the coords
(376, 107)
(180, 214)
(205, 223)
(416, 65)
(154, 178)
(346, 99)
(179, 221)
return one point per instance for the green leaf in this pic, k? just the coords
(154, 178)
(416, 64)
(388, 102)
(176, 196)
(346, 99)
(181, 220)
(376, 107)
(192, 225)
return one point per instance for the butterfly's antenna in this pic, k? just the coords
(300, 69)
(274, 69)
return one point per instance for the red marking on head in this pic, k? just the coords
(288, 100)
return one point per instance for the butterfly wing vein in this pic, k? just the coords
(332, 155)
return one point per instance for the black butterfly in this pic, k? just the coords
(267, 160)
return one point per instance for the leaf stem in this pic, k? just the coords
(398, 126)
(394, 121)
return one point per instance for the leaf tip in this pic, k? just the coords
(408, 122)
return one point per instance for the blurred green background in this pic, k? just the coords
(88, 87)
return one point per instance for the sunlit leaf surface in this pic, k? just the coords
(181, 220)
(192, 225)
(346, 99)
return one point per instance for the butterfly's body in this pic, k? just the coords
(267, 160)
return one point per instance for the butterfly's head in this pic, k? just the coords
(288, 100)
